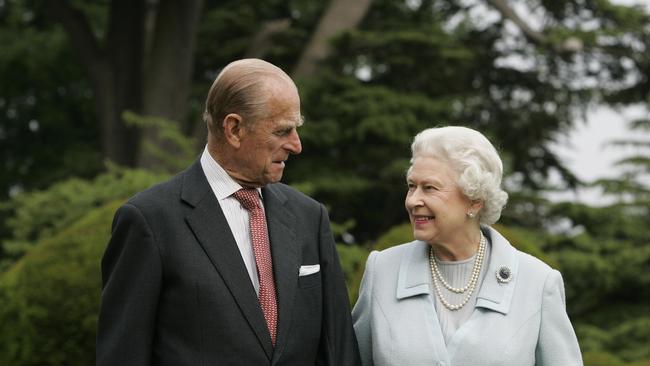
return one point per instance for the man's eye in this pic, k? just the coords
(283, 132)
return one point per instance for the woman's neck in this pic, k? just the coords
(459, 248)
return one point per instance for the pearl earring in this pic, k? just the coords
(471, 214)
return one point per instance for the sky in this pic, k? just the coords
(584, 150)
(586, 153)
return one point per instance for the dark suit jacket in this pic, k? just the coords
(176, 290)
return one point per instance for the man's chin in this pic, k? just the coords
(248, 182)
(273, 178)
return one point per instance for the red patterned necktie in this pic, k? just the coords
(249, 199)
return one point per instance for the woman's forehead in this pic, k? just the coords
(429, 168)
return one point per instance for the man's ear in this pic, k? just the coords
(233, 129)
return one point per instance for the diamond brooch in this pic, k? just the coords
(504, 274)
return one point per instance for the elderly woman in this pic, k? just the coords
(460, 294)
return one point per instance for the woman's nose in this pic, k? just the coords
(413, 198)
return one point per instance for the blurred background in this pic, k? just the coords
(101, 99)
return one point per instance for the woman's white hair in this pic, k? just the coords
(477, 164)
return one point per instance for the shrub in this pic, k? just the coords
(50, 297)
(41, 214)
(353, 261)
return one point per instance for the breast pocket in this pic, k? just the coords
(308, 281)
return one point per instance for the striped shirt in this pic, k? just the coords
(223, 187)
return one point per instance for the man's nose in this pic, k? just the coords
(293, 145)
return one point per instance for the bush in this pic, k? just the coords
(50, 283)
(394, 236)
(41, 214)
(353, 261)
(50, 298)
(601, 359)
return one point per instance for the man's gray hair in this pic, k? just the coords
(242, 87)
(475, 160)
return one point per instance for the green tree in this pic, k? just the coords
(605, 259)
(47, 129)
(412, 65)
(142, 62)
(387, 70)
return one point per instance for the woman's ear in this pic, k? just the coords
(476, 206)
(233, 129)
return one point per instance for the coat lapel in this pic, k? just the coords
(414, 284)
(414, 274)
(286, 259)
(493, 294)
(212, 231)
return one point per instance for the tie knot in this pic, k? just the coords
(248, 197)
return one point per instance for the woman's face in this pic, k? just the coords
(436, 206)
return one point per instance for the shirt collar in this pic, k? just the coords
(221, 183)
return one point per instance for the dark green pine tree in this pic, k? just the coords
(413, 65)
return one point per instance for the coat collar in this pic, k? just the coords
(493, 294)
(195, 185)
(414, 277)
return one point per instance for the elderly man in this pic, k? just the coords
(223, 265)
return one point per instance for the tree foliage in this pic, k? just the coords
(47, 128)
(436, 63)
(521, 72)
(606, 262)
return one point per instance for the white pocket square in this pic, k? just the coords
(309, 269)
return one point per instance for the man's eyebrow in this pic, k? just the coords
(301, 121)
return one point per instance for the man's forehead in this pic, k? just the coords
(286, 122)
(296, 119)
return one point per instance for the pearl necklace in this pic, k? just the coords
(471, 285)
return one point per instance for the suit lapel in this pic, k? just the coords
(286, 258)
(211, 229)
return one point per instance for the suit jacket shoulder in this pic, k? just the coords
(292, 196)
(190, 185)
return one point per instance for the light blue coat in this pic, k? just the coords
(519, 323)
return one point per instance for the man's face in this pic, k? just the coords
(267, 145)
